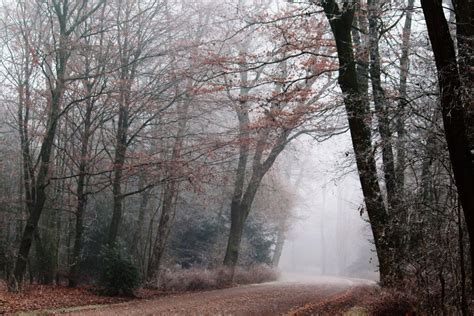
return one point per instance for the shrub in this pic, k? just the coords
(180, 280)
(255, 274)
(188, 280)
(392, 302)
(119, 274)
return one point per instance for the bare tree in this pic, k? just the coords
(67, 18)
(454, 98)
(358, 113)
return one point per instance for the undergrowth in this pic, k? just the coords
(180, 280)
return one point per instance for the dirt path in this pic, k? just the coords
(274, 298)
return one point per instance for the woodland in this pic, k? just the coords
(143, 137)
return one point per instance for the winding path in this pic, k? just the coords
(274, 298)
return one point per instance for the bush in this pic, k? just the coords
(392, 302)
(193, 279)
(188, 280)
(119, 274)
(256, 274)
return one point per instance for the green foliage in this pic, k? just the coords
(95, 235)
(259, 240)
(194, 245)
(119, 275)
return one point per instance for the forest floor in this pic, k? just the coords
(56, 298)
(321, 296)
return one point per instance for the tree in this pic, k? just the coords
(68, 19)
(266, 125)
(92, 87)
(358, 115)
(455, 91)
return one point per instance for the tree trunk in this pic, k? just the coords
(119, 161)
(241, 209)
(244, 195)
(38, 189)
(381, 107)
(455, 107)
(166, 219)
(136, 243)
(237, 215)
(394, 196)
(170, 196)
(278, 247)
(402, 103)
(81, 200)
(79, 229)
(237, 222)
(128, 68)
(359, 124)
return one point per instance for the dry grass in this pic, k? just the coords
(362, 300)
(256, 274)
(195, 279)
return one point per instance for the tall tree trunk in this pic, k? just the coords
(381, 106)
(244, 194)
(359, 117)
(237, 222)
(136, 246)
(119, 161)
(402, 103)
(167, 215)
(128, 67)
(241, 209)
(81, 194)
(237, 214)
(280, 242)
(454, 104)
(42, 180)
(62, 14)
(170, 196)
(121, 145)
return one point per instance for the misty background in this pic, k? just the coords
(330, 236)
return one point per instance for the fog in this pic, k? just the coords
(329, 236)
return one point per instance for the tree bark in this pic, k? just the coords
(119, 161)
(136, 242)
(237, 214)
(280, 242)
(81, 195)
(359, 124)
(244, 194)
(121, 138)
(62, 15)
(381, 108)
(170, 196)
(164, 227)
(402, 103)
(42, 180)
(455, 104)
(237, 222)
